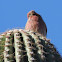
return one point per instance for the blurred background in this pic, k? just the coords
(13, 14)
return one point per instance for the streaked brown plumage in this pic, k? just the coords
(35, 23)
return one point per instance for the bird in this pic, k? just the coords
(35, 23)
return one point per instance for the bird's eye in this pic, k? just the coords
(34, 14)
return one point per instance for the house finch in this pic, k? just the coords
(35, 23)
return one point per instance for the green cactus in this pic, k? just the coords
(25, 46)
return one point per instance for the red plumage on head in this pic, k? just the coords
(35, 23)
(29, 13)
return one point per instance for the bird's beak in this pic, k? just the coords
(31, 14)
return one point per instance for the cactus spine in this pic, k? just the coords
(29, 48)
(39, 46)
(18, 46)
(25, 46)
(8, 52)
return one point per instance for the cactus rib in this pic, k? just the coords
(29, 47)
(8, 52)
(18, 46)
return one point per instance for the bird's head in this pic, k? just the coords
(31, 13)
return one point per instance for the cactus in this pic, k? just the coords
(19, 45)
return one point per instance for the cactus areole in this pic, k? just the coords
(19, 45)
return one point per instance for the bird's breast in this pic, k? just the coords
(32, 25)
